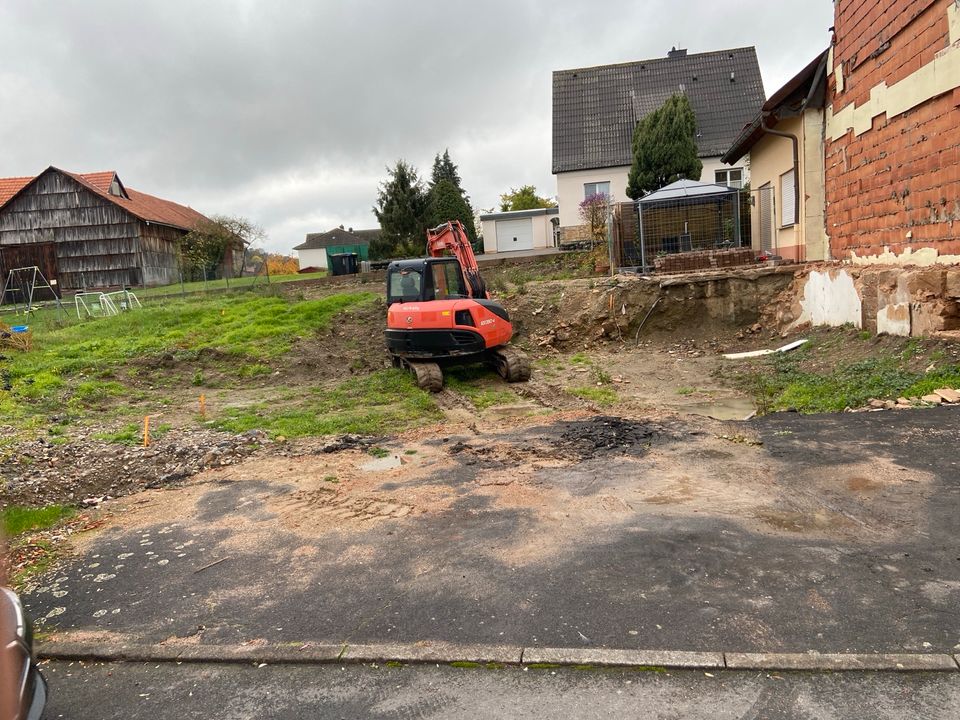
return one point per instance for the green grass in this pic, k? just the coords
(69, 360)
(781, 384)
(132, 434)
(686, 390)
(472, 381)
(16, 519)
(598, 395)
(385, 401)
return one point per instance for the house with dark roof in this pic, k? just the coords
(90, 231)
(316, 249)
(596, 109)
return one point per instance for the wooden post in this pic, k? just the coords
(146, 431)
(203, 406)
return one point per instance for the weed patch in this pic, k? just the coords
(782, 383)
(132, 434)
(16, 519)
(363, 406)
(470, 381)
(598, 395)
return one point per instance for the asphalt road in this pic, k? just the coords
(493, 566)
(237, 692)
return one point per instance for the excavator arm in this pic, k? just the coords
(451, 237)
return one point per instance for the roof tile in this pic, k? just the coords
(595, 109)
(144, 206)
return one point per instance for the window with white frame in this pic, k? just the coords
(596, 188)
(731, 177)
(788, 199)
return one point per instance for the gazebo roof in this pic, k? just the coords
(686, 189)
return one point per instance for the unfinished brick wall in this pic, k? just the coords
(902, 176)
(704, 260)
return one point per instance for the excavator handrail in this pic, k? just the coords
(450, 236)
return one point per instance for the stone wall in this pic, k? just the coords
(916, 301)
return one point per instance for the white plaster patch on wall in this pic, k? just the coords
(894, 319)
(940, 75)
(830, 299)
(921, 256)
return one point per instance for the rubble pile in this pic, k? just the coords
(940, 396)
(85, 470)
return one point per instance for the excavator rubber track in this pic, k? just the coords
(429, 375)
(512, 364)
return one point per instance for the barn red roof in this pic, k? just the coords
(11, 186)
(140, 204)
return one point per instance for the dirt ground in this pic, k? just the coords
(582, 364)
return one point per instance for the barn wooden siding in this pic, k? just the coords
(159, 254)
(97, 244)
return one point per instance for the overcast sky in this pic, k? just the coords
(288, 112)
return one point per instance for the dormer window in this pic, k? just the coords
(115, 188)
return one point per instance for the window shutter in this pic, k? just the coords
(788, 205)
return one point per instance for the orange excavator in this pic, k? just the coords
(439, 313)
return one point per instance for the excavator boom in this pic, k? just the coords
(451, 237)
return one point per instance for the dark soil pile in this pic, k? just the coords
(606, 435)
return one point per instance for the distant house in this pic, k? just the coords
(315, 250)
(596, 109)
(785, 144)
(90, 231)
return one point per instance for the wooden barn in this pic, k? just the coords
(89, 231)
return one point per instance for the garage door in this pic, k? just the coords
(514, 235)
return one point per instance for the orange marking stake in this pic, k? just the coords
(203, 406)
(146, 431)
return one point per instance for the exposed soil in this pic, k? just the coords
(581, 334)
(86, 471)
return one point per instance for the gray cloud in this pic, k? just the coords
(288, 112)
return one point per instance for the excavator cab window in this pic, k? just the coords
(405, 285)
(445, 281)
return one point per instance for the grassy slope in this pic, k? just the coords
(75, 366)
(792, 381)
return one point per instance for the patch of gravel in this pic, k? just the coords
(86, 469)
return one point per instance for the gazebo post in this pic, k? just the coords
(643, 250)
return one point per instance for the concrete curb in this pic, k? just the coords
(452, 653)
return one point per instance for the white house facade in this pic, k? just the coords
(596, 109)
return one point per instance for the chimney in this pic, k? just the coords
(350, 230)
(677, 53)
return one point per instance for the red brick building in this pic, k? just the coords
(893, 131)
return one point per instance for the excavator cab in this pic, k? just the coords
(425, 279)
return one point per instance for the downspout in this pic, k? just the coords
(796, 163)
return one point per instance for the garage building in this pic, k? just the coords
(519, 230)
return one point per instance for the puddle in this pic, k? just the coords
(727, 409)
(385, 463)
